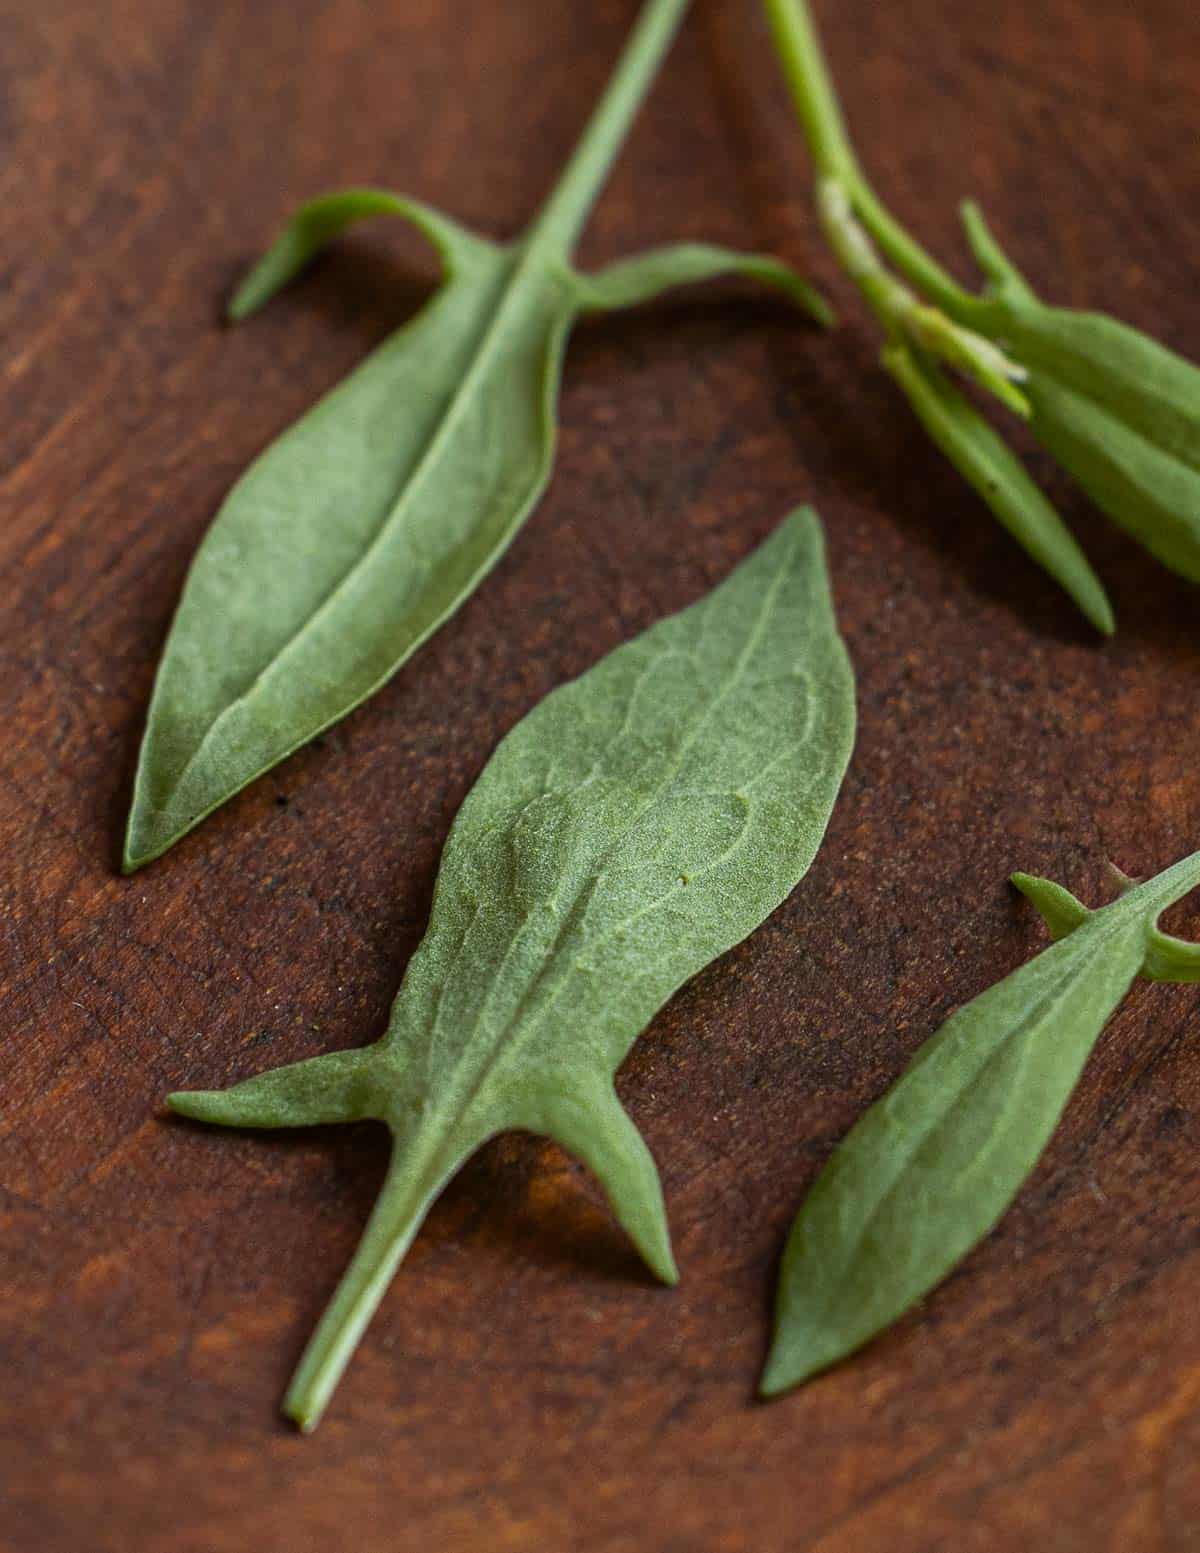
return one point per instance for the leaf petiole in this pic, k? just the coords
(397, 1216)
(563, 216)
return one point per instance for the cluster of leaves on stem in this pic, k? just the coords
(1119, 411)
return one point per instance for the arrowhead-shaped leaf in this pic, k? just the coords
(357, 533)
(636, 825)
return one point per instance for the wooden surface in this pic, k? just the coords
(525, 1386)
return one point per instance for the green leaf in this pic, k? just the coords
(1131, 378)
(987, 463)
(634, 826)
(357, 533)
(929, 1170)
(1171, 959)
(1004, 279)
(350, 540)
(1118, 410)
(1154, 495)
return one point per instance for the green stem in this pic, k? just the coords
(403, 1203)
(807, 74)
(808, 77)
(565, 212)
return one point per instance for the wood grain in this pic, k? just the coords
(525, 1387)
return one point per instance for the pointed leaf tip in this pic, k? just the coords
(790, 1364)
(154, 825)
(592, 1124)
(991, 258)
(138, 854)
(637, 280)
(199, 1105)
(336, 1087)
(1058, 908)
(988, 464)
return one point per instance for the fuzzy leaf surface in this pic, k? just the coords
(366, 524)
(637, 824)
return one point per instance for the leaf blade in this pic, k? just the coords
(928, 1171)
(591, 1123)
(339, 552)
(587, 876)
(1118, 409)
(1134, 379)
(991, 468)
(632, 282)
(358, 532)
(1147, 491)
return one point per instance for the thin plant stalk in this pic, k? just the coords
(802, 58)
(564, 214)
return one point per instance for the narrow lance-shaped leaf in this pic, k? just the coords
(637, 824)
(364, 526)
(929, 1170)
(982, 456)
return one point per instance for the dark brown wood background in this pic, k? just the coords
(525, 1386)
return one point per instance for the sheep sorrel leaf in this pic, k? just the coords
(357, 533)
(929, 1170)
(635, 825)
